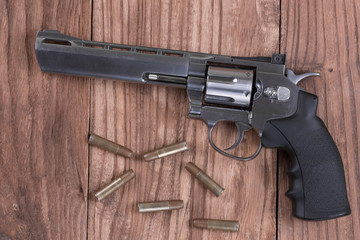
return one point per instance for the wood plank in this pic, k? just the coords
(44, 124)
(146, 117)
(322, 36)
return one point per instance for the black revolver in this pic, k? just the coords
(252, 92)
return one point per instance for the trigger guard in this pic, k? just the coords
(211, 127)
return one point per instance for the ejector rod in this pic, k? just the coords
(60, 53)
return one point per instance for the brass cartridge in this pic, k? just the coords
(115, 185)
(166, 151)
(109, 145)
(216, 224)
(204, 179)
(160, 206)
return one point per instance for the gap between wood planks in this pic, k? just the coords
(88, 174)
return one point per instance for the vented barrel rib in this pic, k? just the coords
(60, 53)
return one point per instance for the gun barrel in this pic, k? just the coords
(60, 53)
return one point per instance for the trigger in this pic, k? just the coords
(241, 127)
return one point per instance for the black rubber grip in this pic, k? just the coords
(318, 186)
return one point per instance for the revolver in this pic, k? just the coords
(252, 92)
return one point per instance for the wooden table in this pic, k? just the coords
(48, 173)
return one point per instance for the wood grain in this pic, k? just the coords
(146, 117)
(48, 177)
(44, 123)
(322, 36)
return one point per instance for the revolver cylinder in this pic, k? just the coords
(229, 86)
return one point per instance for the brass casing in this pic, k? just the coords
(166, 151)
(215, 224)
(204, 179)
(160, 206)
(115, 185)
(109, 145)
